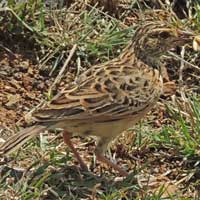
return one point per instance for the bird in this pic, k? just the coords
(110, 97)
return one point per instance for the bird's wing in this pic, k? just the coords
(103, 93)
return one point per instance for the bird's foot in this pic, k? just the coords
(102, 158)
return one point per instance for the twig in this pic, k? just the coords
(27, 117)
(186, 62)
(60, 75)
(8, 50)
(48, 56)
(79, 68)
(182, 67)
(198, 77)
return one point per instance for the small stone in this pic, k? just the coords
(13, 99)
(17, 76)
(40, 86)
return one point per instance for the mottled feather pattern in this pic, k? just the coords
(109, 98)
(105, 91)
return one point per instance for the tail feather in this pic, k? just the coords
(16, 141)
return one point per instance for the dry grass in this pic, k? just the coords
(161, 153)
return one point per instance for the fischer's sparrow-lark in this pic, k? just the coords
(110, 97)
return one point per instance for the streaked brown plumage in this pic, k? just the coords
(110, 97)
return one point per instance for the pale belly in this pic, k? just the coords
(109, 129)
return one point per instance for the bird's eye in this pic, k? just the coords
(164, 35)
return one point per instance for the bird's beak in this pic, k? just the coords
(185, 36)
(190, 37)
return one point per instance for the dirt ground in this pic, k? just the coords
(23, 86)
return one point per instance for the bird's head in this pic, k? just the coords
(153, 39)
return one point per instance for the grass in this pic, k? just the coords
(182, 130)
(161, 153)
(96, 34)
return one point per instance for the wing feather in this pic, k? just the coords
(102, 93)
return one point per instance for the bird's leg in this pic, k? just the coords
(102, 158)
(67, 140)
(101, 146)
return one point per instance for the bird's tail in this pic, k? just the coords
(16, 141)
